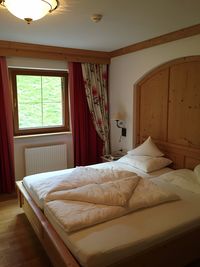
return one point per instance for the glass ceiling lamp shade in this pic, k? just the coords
(30, 10)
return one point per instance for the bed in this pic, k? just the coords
(154, 240)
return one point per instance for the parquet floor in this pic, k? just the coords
(19, 247)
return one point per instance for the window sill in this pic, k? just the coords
(40, 135)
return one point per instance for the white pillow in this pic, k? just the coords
(148, 148)
(197, 172)
(183, 178)
(145, 163)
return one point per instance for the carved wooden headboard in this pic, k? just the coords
(167, 102)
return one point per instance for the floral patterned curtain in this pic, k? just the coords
(96, 80)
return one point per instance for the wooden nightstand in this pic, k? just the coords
(107, 158)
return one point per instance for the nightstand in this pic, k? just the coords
(107, 158)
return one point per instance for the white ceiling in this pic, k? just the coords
(124, 22)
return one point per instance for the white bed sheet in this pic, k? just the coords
(30, 180)
(108, 242)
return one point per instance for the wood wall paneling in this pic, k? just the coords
(153, 116)
(190, 162)
(184, 104)
(168, 110)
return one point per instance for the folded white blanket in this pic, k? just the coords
(77, 177)
(113, 193)
(95, 203)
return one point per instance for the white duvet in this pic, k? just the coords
(83, 203)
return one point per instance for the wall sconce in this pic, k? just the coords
(120, 119)
(120, 125)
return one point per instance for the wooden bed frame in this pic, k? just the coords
(163, 113)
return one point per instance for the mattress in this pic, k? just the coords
(109, 242)
(30, 181)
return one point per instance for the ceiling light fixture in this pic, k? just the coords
(30, 10)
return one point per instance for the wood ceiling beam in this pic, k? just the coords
(15, 49)
(169, 37)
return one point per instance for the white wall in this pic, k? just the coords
(21, 142)
(126, 70)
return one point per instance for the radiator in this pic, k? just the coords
(45, 158)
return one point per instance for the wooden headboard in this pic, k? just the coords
(167, 102)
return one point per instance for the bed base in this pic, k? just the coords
(55, 248)
(176, 252)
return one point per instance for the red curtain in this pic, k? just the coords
(87, 144)
(7, 179)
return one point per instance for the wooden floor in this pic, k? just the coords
(19, 247)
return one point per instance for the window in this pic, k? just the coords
(40, 100)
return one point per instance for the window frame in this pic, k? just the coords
(13, 72)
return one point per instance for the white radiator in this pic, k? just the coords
(46, 158)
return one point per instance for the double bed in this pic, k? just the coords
(160, 235)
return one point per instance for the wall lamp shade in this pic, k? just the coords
(119, 116)
(30, 10)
